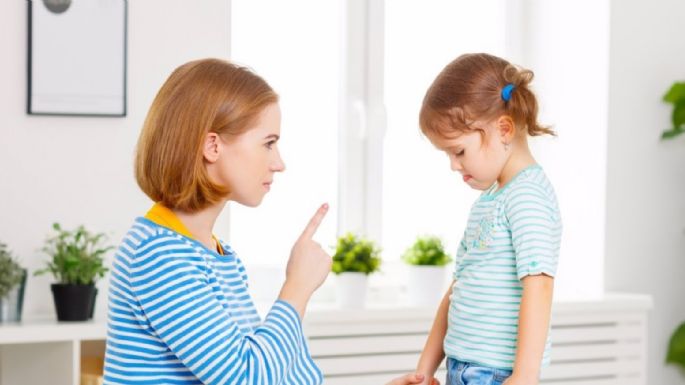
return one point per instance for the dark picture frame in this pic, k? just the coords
(77, 57)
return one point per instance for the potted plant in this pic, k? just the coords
(676, 96)
(676, 347)
(76, 264)
(426, 260)
(354, 259)
(12, 283)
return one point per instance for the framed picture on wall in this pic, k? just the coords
(77, 57)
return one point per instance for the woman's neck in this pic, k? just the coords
(201, 223)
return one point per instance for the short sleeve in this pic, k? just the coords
(535, 224)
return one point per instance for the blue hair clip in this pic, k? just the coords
(506, 92)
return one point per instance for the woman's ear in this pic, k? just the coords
(506, 128)
(210, 148)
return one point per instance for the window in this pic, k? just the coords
(351, 81)
(300, 61)
(421, 195)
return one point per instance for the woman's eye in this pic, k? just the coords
(270, 144)
(459, 153)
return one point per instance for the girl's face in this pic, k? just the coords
(478, 155)
(246, 163)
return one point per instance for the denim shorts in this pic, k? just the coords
(464, 373)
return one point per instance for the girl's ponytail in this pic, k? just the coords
(522, 105)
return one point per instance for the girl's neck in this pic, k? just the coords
(519, 159)
(201, 223)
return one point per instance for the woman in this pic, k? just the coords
(179, 309)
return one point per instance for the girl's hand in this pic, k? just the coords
(308, 265)
(412, 378)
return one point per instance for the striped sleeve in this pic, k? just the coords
(535, 226)
(169, 281)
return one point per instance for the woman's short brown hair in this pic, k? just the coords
(199, 97)
(470, 89)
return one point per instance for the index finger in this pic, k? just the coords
(314, 223)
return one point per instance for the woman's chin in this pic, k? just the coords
(249, 201)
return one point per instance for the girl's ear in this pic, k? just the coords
(210, 147)
(507, 128)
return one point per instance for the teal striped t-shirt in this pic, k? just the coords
(512, 232)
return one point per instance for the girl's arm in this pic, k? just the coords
(534, 318)
(433, 352)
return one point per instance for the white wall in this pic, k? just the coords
(78, 170)
(645, 217)
(571, 77)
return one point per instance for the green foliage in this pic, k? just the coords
(11, 273)
(427, 251)
(355, 254)
(77, 256)
(676, 96)
(676, 347)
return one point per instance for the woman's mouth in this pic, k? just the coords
(467, 178)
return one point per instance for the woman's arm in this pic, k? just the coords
(433, 352)
(170, 284)
(534, 318)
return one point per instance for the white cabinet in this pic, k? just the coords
(599, 342)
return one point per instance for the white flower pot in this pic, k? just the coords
(351, 290)
(425, 285)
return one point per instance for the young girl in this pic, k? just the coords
(493, 322)
(179, 309)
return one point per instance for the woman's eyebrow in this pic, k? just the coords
(273, 136)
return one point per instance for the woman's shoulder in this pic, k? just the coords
(147, 239)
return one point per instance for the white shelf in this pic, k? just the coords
(40, 331)
(57, 347)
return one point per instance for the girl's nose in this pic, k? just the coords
(455, 164)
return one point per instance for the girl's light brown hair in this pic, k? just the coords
(470, 88)
(199, 97)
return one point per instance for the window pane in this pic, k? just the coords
(300, 62)
(421, 195)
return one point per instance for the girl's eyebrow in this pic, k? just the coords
(273, 136)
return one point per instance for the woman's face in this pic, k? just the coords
(247, 163)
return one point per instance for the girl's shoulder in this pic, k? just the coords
(532, 180)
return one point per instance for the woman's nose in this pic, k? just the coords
(278, 165)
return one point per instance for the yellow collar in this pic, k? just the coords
(164, 217)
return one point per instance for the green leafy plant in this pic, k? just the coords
(355, 254)
(11, 273)
(77, 256)
(676, 347)
(676, 96)
(426, 251)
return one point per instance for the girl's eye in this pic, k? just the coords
(459, 153)
(270, 144)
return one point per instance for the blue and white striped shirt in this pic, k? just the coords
(181, 314)
(511, 233)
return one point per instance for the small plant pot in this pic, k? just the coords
(74, 302)
(351, 290)
(426, 285)
(12, 304)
